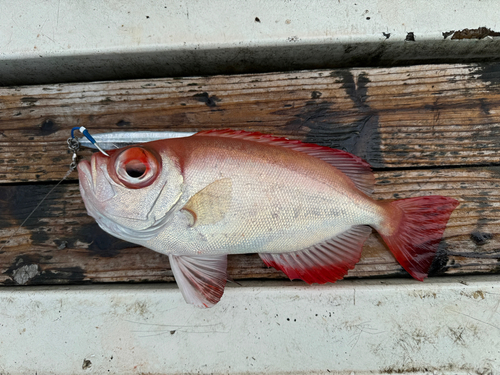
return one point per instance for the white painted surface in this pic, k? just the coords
(448, 325)
(67, 40)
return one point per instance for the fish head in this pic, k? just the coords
(131, 193)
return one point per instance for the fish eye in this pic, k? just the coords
(137, 167)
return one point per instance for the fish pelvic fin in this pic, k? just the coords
(413, 229)
(324, 262)
(201, 279)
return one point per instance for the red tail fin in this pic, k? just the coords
(413, 230)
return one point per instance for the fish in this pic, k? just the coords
(305, 209)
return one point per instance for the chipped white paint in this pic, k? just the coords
(447, 325)
(55, 41)
(25, 273)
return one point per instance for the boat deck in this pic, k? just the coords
(428, 129)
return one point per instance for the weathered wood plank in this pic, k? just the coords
(61, 244)
(430, 115)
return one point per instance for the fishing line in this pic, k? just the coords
(74, 147)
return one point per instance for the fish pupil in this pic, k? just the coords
(135, 169)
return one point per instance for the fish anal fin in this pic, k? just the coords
(201, 279)
(358, 170)
(328, 261)
(209, 205)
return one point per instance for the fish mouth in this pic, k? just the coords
(84, 173)
(87, 174)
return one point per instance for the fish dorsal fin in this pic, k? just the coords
(209, 205)
(324, 262)
(201, 279)
(358, 170)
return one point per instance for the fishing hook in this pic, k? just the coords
(87, 135)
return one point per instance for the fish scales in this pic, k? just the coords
(281, 200)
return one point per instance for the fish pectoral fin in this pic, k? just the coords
(324, 262)
(201, 279)
(209, 205)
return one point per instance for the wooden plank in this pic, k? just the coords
(61, 244)
(418, 116)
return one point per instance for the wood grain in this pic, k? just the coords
(417, 116)
(430, 129)
(63, 245)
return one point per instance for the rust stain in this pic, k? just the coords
(479, 33)
(478, 294)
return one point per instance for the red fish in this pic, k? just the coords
(306, 209)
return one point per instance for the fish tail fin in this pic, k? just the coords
(413, 229)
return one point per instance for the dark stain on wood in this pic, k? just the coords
(48, 127)
(490, 74)
(13, 201)
(204, 97)
(363, 135)
(39, 235)
(440, 264)
(99, 242)
(122, 123)
(315, 118)
(316, 95)
(481, 238)
(29, 100)
(61, 275)
(17, 202)
(485, 107)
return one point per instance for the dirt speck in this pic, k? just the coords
(86, 364)
(316, 95)
(410, 37)
(478, 294)
(204, 97)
